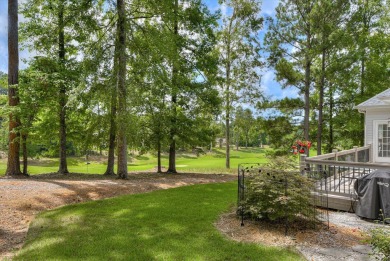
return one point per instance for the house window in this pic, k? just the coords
(383, 140)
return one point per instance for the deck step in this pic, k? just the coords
(337, 201)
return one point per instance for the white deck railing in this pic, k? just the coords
(339, 170)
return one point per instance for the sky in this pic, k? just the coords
(269, 85)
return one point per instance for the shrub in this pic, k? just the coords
(381, 242)
(276, 193)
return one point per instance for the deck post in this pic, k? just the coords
(356, 154)
(370, 153)
(335, 154)
(336, 158)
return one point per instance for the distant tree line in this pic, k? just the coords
(162, 75)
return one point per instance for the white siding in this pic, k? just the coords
(371, 116)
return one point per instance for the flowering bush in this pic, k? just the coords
(300, 146)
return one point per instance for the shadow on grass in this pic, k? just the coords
(163, 225)
(188, 156)
(251, 150)
(142, 157)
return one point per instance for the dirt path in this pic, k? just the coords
(22, 199)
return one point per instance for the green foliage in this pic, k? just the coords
(277, 193)
(174, 224)
(380, 240)
(281, 132)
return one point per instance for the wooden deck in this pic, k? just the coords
(337, 201)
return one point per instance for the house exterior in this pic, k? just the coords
(377, 125)
(339, 170)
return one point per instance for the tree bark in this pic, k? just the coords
(228, 65)
(320, 104)
(307, 85)
(363, 46)
(172, 134)
(331, 105)
(112, 136)
(159, 156)
(227, 129)
(175, 71)
(13, 163)
(63, 168)
(122, 98)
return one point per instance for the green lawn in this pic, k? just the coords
(174, 224)
(207, 163)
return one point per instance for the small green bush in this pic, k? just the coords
(381, 242)
(276, 193)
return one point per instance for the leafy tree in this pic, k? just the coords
(367, 52)
(353, 73)
(281, 132)
(244, 123)
(328, 16)
(239, 55)
(186, 41)
(48, 30)
(34, 88)
(290, 41)
(56, 31)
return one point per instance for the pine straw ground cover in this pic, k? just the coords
(273, 234)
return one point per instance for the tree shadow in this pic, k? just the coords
(164, 225)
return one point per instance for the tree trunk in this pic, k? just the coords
(320, 104)
(175, 71)
(172, 134)
(362, 91)
(159, 156)
(228, 67)
(13, 163)
(25, 154)
(122, 95)
(112, 136)
(227, 135)
(307, 87)
(228, 114)
(331, 104)
(365, 33)
(63, 169)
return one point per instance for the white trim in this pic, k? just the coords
(375, 142)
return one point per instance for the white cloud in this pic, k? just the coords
(268, 7)
(224, 10)
(267, 81)
(273, 89)
(268, 77)
(290, 92)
